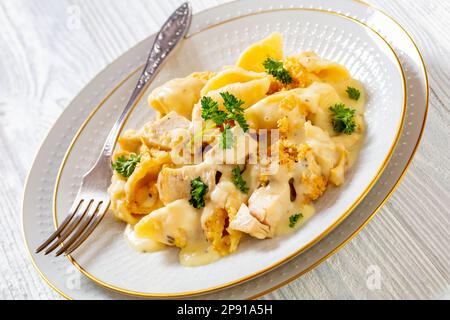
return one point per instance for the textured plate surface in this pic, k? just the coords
(106, 257)
(284, 273)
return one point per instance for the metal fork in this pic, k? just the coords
(92, 200)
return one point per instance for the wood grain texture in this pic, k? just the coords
(46, 58)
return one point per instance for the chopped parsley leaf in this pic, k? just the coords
(238, 180)
(235, 110)
(198, 192)
(294, 219)
(226, 140)
(126, 167)
(210, 111)
(276, 69)
(353, 93)
(343, 118)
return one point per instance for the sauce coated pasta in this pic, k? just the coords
(241, 152)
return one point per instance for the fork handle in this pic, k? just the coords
(170, 35)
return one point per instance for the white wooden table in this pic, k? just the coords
(46, 58)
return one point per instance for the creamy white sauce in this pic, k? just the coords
(198, 253)
(306, 211)
(141, 244)
(269, 200)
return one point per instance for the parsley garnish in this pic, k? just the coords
(234, 113)
(294, 219)
(226, 140)
(125, 166)
(210, 111)
(343, 118)
(353, 93)
(276, 69)
(198, 192)
(239, 181)
(235, 110)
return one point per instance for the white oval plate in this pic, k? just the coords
(27, 188)
(107, 259)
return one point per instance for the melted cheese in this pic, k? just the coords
(307, 212)
(141, 244)
(308, 156)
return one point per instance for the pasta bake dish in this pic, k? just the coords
(244, 151)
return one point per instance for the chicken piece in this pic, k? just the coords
(130, 141)
(289, 153)
(247, 223)
(324, 148)
(174, 184)
(268, 204)
(166, 132)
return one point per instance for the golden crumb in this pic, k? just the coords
(283, 127)
(288, 153)
(298, 72)
(302, 151)
(289, 102)
(315, 184)
(275, 86)
(222, 239)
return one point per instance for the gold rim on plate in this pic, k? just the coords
(394, 187)
(285, 259)
(346, 240)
